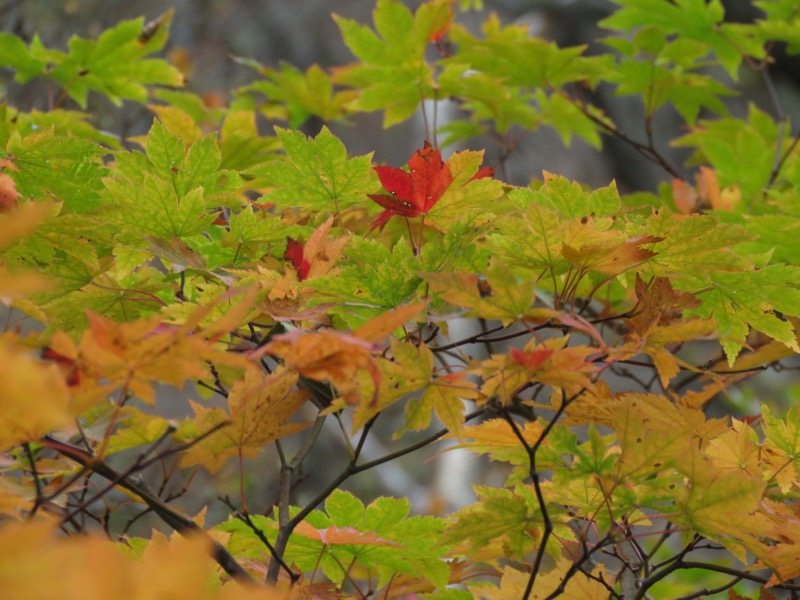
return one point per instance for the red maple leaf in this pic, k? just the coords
(416, 191)
(294, 254)
(533, 360)
(413, 192)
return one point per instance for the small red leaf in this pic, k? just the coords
(68, 366)
(533, 360)
(294, 254)
(413, 192)
(483, 173)
(8, 193)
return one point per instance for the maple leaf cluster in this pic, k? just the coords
(595, 344)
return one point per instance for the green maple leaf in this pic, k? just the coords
(56, 167)
(136, 429)
(532, 233)
(782, 23)
(104, 295)
(114, 64)
(166, 191)
(241, 145)
(393, 75)
(26, 62)
(690, 19)
(508, 520)
(693, 247)
(151, 206)
(504, 76)
(486, 96)
(186, 168)
(503, 295)
(416, 550)
(246, 239)
(317, 174)
(295, 96)
(741, 152)
(371, 281)
(379, 536)
(740, 300)
(687, 92)
(512, 54)
(67, 123)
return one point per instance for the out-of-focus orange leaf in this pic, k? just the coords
(378, 328)
(34, 398)
(326, 356)
(92, 568)
(707, 195)
(8, 193)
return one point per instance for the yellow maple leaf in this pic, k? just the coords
(611, 256)
(259, 407)
(737, 449)
(136, 355)
(550, 363)
(34, 398)
(514, 583)
(92, 568)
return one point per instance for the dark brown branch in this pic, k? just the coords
(36, 481)
(174, 519)
(534, 475)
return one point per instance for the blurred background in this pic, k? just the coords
(206, 34)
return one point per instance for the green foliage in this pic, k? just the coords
(261, 269)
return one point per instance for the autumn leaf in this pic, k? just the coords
(315, 258)
(333, 536)
(513, 584)
(326, 355)
(8, 193)
(165, 568)
(294, 255)
(443, 395)
(708, 194)
(659, 303)
(258, 410)
(136, 355)
(416, 191)
(550, 363)
(413, 192)
(648, 447)
(504, 295)
(24, 379)
(499, 441)
(336, 357)
(611, 256)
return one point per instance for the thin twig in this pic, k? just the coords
(174, 519)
